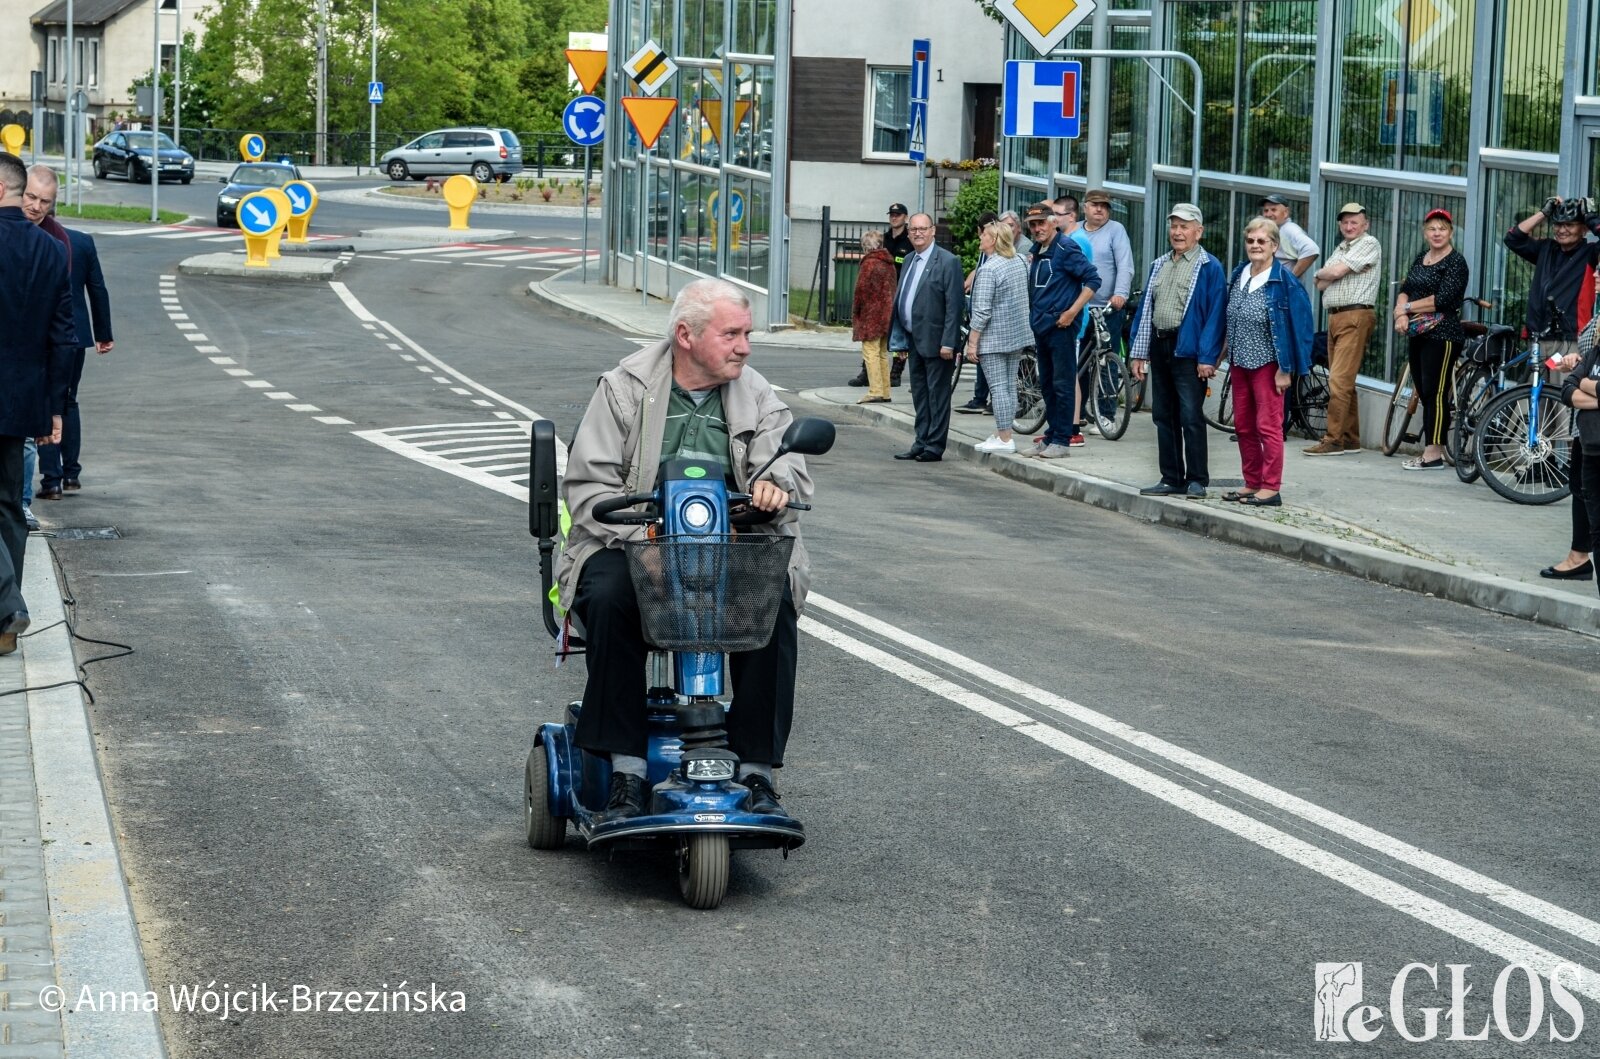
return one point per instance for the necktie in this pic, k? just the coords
(910, 290)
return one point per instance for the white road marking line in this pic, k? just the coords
(257, 384)
(519, 477)
(424, 250)
(407, 357)
(207, 349)
(462, 390)
(467, 252)
(491, 459)
(334, 421)
(203, 233)
(222, 360)
(480, 401)
(187, 327)
(501, 447)
(369, 326)
(428, 459)
(521, 255)
(430, 429)
(483, 264)
(196, 337)
(302, 408)
(396, 347)
(1362, 880)
(125, 231)
(281, 395)
(351, 303)
(239, 372)
(1455, 874)
(177, 316)
(222, 239)
(424, 368)
(441, 379)
(503, 415)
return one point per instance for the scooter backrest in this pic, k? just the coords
(543, 496)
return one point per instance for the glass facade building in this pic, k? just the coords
(708, 200)
(1482, 107)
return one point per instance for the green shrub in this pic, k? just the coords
(977, 196)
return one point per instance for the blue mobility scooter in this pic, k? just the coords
(704, 590)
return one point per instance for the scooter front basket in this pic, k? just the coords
(711, 593)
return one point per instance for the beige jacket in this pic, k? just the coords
(617, 452)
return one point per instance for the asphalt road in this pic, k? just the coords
(1073, 785)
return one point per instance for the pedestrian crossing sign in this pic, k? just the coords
(650, 68)
(918, 151)
(374, 92)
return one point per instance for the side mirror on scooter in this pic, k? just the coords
(544, 520)
(809, 437)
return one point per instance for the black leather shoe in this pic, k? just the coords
(1577, 573)
(47, 494)
(928, 457)
(911, 455)
(72, 485)
(13, 626)
(627, 798)
(763, 799)
(860, 379)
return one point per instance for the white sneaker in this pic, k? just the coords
(994, 444)
(1089, 427)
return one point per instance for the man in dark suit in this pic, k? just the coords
(91, 313)
(37, 338)
(928, 305)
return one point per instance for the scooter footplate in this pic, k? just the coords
(744, 831)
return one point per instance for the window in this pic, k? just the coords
(77, 55)
(891, 111)
(54, 60)
(94, 63)
(1533, 44)
(431, 142)
(169, 55)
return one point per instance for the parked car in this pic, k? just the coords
(128, 154)
(484, 153)
(246, 178)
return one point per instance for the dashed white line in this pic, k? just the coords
(279, 395)
(481, 402)
(239, 372)
(257, 384)
(462, 390)
(222, 360)
(196, 337)
(334, 421)
(302, 408)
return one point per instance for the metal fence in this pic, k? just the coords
(540, 150)
(833, 279)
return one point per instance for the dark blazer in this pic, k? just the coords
(91, 302)
(939, 303)
(37, 339)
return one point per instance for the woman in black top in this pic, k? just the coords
(1437, 283)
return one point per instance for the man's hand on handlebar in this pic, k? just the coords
(766, 496)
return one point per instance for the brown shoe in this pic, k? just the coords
(72, 485)
(1326, 448)
(47, 494)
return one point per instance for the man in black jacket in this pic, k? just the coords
(1559, 265)
(36, 339)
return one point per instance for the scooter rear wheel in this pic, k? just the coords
(545, 829)
(703, 870)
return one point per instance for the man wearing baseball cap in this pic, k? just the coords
(1349, 286)
(1296, 249)
(1177, 337)
(1061, 280)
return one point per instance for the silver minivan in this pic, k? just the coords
(484, 153)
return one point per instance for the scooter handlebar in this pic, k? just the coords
(606, 510)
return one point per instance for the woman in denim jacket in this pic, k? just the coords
(1268, 339)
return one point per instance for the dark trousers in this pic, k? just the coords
(1431, 359)
(1056, 352)
(931, 382)
(13, 530)
(613, 717)
(1582, 523)
(51, 457)
(1176, 397)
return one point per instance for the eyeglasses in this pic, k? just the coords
(920, 228)
(1257, 242)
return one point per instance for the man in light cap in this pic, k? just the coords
(1349, 286)
(1296, 249)
(1177, 337)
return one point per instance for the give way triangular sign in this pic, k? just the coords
(649, 116)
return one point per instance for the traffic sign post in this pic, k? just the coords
(584, 121)
(259, 217)
(281, 201)
(1043, 98)
(252, 147)
(302, 205)
(648, 117)
(374, 92)
(917, 124)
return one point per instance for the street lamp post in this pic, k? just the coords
(372, 144)
(67, 95)
(177, 75)
(154, 170)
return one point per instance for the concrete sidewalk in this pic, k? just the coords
(1361, 514)
(66, 922)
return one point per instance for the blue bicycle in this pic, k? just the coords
(1525, 434)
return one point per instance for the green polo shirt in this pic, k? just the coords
(696, 430)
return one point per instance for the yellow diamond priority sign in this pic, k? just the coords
(1045, 23)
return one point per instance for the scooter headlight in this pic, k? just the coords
(709, 766)
(697, 514)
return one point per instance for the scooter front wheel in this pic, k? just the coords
(703, 870)
(545, 829)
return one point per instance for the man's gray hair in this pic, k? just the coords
(696, 302)
(1010, 215)
(44, 174)
(13, 175)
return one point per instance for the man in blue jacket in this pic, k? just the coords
(1061, 280)
(1177, 337)
(36, 339)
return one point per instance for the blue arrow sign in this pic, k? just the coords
(299, 194)
(584, 121)
(737, 200)
(257, 146)
(374, 91)
(920, 51)
(258, 215)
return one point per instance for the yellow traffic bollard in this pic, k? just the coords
(460, 191)
(252, 147)
(302, 204)
(261, 219)
(13, 137)
(280, 200)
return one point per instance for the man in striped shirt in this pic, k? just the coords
(1349, 286)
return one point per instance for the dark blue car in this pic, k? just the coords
(127, 154)
(248, 177)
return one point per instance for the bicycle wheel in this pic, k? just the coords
(1404, 406)
(1473, 395)
(1524, 471)
(1136, 389)
(1218, 406)
(1030, 398)
(1111, 405)
(1311, 393)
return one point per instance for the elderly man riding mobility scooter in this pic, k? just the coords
(683, 484)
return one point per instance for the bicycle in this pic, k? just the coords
(1525, 436)
(1105, 379)
(1486, 362)
(1405, 404)
(1030, 398)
